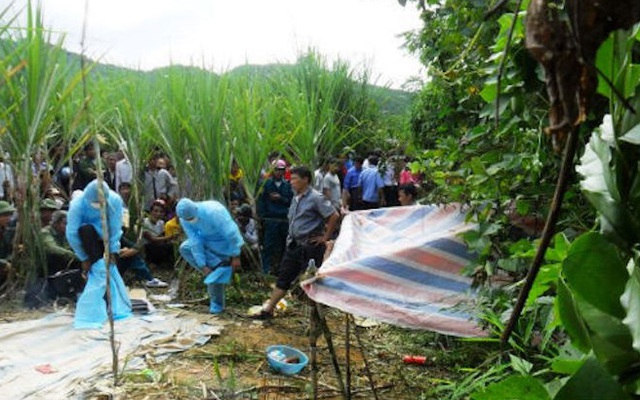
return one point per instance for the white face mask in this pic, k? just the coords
(95, 204)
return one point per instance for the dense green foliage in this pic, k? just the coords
(484, 144)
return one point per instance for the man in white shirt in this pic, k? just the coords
(124, 172)
(6, 181)
(318, 176)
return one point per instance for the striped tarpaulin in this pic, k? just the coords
(401, 266)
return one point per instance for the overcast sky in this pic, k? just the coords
(222, 34)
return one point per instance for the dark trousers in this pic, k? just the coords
(295, 261)
(391, 196)
(368, 205)
(355, 202)
(159, 253)
(92, 243)
(137, 265)
(57, 262)
(275, 239)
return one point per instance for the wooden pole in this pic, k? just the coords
(367, 370)
(347, 350)
(331, 348)
(313, 347)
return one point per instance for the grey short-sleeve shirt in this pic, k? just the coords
(307, 214)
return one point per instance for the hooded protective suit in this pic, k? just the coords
(91, 310)
(213, 238)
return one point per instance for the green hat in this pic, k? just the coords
(6, 208)
(48, 204)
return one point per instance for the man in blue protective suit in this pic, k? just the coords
(84, 234)
(213, 245)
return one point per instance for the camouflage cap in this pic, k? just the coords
(48, 204)
(6, 208)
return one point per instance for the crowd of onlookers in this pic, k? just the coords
(348, 182)
(60, 181)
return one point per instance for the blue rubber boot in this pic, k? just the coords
(91, 309)
(216, 294)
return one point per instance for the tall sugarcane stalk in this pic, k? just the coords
(102, 198)
(33, 89)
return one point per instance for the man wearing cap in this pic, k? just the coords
(57, 249)
(276, 198)
(213, 245)
(47, 208)
(84, 233)
(7, 232)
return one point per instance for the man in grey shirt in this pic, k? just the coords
(158, 182)
(331, 184)
(312, 221)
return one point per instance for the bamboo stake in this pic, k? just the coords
(347, 349)
(313, 344)
(328, 338)
(103, 204)
(367, 370)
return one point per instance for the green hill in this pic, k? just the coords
(390, 101)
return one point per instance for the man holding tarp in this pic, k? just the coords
(308, 233)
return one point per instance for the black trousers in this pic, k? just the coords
(355, 202)
(295, 261)
(56, 262)
(91, 243)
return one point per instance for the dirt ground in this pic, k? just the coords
(233, 365)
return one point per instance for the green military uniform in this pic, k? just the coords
(56, 245)
(6, 245)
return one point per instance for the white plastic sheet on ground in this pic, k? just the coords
(48, 359)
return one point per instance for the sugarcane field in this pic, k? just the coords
(393, 199)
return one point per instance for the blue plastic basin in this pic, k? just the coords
(284, 367)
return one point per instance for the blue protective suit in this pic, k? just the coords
(91, 309)
(213, 238)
